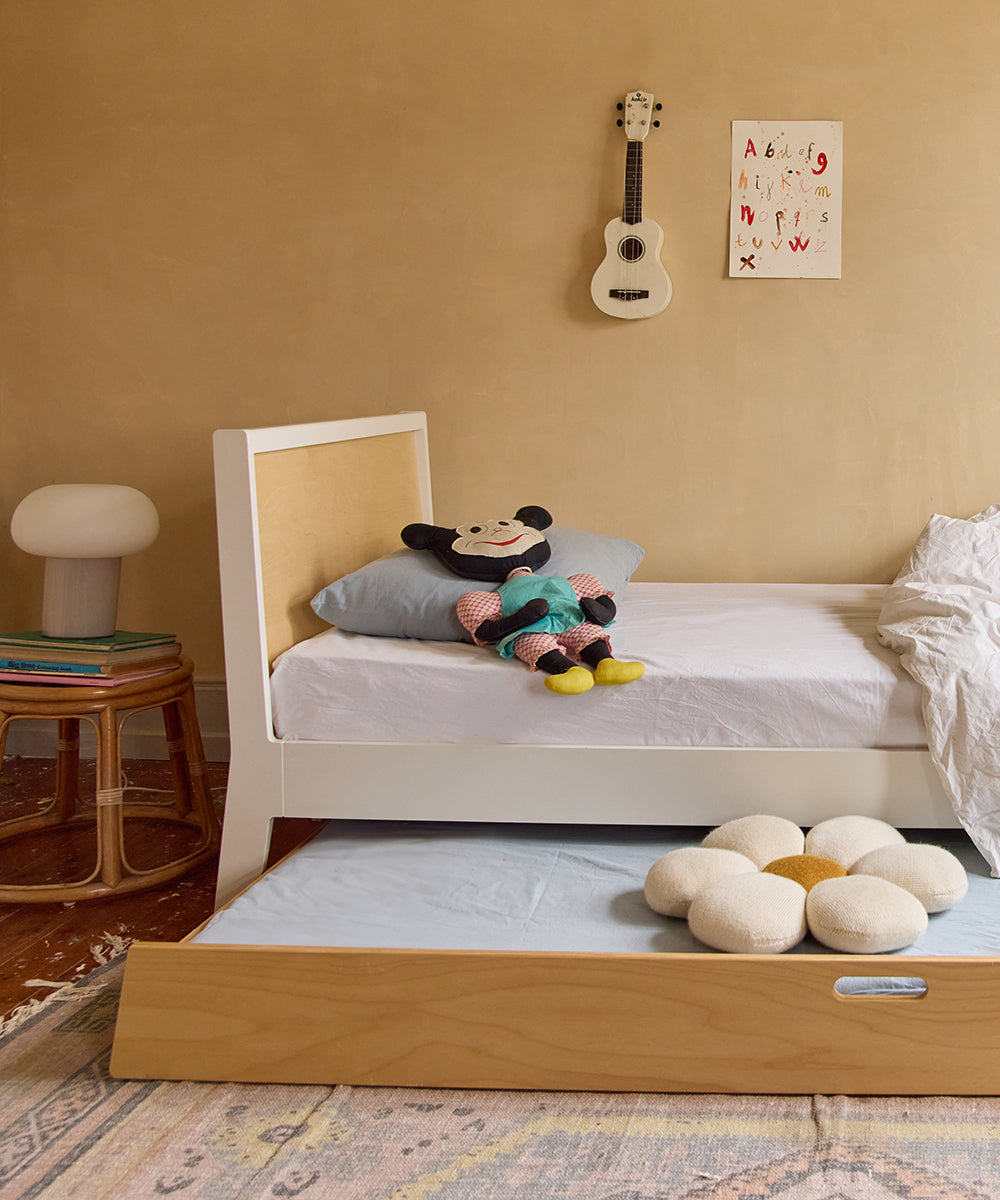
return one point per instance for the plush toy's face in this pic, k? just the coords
(488, 550)
(496, 538)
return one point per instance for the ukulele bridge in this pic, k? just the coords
(629, 294)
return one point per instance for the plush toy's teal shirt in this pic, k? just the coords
(564, 607)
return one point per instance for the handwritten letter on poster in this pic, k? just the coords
(785, 211)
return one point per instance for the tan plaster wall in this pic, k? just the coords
(262, 211)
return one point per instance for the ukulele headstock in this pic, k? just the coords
(639, 111)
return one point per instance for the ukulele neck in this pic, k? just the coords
(632, 206)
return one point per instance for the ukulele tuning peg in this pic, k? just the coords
(619, 122)
(656, 124)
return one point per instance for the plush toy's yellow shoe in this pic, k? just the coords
(570, 683)
(611, 671)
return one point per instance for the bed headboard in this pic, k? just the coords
(297, 507)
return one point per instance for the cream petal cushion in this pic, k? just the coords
(846, 839)
(750, 914)
(860, 914)
(674, 880)
(761, 838)
(931, 873)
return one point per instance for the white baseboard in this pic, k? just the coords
(142, 733)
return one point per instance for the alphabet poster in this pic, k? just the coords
(785, 210)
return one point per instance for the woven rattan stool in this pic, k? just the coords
(107, 708)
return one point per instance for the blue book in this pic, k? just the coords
(32, 666)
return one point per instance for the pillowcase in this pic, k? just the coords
(410, 594)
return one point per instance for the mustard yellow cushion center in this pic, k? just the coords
(806, 869)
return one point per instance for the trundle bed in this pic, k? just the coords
(472, 915)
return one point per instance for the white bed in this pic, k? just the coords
(277, 551)
(807, 717)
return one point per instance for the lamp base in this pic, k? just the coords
(81, 597)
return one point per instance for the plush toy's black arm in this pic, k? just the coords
(601, 610)
(495, 629)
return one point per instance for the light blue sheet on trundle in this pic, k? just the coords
(433, 885)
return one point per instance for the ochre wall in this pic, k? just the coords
(255, 212)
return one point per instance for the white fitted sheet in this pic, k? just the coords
(772, 665)
(460, 886)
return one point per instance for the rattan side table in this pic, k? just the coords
(106, 708)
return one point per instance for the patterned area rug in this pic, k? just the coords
(69, 1130)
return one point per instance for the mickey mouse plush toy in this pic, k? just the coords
(542, 619)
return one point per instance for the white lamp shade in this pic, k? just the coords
(85, 520)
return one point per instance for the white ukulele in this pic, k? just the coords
(631, 281)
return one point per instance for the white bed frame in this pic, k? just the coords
(301, 505)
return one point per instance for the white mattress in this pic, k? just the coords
(432, 885)
(777, 665)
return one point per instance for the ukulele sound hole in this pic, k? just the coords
(631, 249)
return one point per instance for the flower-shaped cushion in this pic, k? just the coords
(758, 885)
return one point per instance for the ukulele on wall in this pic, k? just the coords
(631, 282)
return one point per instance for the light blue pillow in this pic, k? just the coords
(410, 594)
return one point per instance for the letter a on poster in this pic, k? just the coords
(785, 211)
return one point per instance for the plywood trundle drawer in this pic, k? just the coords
(605, 1022)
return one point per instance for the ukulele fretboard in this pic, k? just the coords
(632, 204)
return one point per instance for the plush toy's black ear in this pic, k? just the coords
(425, 537)
(537, 518)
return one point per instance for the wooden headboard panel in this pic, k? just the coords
(324, 510)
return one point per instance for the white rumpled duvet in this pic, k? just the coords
(942, 616)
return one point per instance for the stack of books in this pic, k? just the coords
(121, 657)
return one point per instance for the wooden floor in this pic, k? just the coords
(57, 943)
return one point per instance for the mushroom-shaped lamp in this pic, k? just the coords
(82, 530)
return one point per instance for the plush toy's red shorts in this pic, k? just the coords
(530, 647)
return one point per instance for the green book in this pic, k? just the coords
(121, 639)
